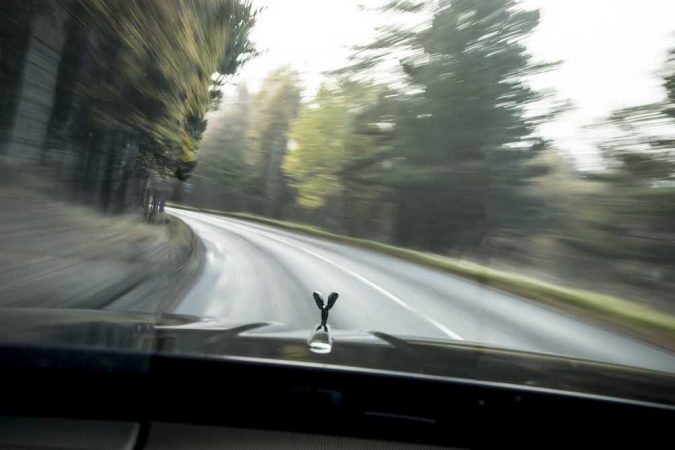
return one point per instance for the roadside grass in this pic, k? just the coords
(177, 230)
(631, 317)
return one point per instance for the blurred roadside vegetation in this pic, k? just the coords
(107, 98)
(444, 156)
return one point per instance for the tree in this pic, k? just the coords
(273, 108)
(464, 137)
(640, 157)
(643, 150)
(220, 173)
(152, 73)
(319, 136)
(335, 131)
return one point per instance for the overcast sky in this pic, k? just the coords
(612, 52)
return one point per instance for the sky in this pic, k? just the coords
(313, 36)
(611, 53)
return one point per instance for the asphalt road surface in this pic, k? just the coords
(256, 273)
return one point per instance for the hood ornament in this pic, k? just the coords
(321, 341)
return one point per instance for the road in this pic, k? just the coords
(256, 273)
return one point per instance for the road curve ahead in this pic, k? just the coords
(256, 273)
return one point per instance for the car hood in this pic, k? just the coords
(270, 342)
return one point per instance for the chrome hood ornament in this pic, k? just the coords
(320, 340)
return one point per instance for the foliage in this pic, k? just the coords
(463, 135)
(643, 152)
(272, 110)
(319, 136)
(327, 135)
(221, 171)
(153, 82)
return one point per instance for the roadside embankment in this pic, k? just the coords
(59, 255)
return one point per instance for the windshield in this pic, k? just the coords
(497, 173)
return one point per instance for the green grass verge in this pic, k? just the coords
(635, 318)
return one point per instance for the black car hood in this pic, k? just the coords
(148, 334)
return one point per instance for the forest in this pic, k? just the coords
(448, 157)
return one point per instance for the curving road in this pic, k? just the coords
(259, 273)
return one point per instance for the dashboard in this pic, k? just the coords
(56, 434)
(177, 402)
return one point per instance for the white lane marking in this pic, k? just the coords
(384, 292)
(361, 278)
